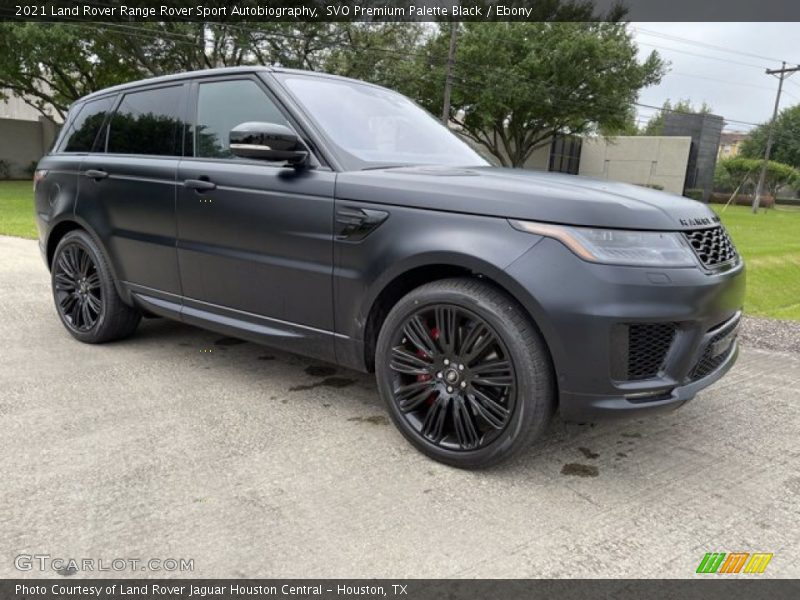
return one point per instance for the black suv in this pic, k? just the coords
(337, 219)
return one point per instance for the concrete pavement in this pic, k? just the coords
(179, 443)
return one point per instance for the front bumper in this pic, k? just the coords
(627, 340)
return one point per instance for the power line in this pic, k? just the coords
(686, 112)
(725, 81)
(182, 39)
(698, 55)
(684, 40)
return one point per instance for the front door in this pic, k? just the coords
(255, 239)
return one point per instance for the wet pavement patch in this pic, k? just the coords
(320, 371)
(372, 420)
(333, 382)
(579, 470)
(229, 341)
(631, 435)
(588, 453)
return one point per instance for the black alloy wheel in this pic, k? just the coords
(85, 292)
(77, 289)
(454, 381)
(465, 373)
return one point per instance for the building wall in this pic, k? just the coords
(23, 142)
(13, 107)
(705, 131)
(643, 160)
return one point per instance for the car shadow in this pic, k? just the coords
(576, 450)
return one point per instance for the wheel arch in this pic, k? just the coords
(62, 228)
(401, 281)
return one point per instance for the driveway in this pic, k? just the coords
(179, 443)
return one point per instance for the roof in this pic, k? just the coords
(210, 73)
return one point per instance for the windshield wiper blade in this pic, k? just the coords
(385, 167)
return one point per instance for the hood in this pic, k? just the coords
(531, 195)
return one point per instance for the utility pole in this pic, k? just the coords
(448, 79)
(782, 74)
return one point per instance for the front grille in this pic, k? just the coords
(711, 359)
(712, 246)
(648, 344)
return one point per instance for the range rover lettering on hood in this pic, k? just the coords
(699, 221)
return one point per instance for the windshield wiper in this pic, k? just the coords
(386, 167)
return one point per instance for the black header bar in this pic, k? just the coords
(396, 10)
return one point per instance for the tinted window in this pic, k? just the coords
(82, 131)
(223, 105)
(147, 123)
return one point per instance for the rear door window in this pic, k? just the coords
(82, 131)
(147, 122)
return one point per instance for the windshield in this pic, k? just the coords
(378, 127)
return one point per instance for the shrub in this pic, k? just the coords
(732, 172)
(31, 168)
(5, 169)
(694, 194)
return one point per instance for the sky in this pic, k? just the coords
(732, 82)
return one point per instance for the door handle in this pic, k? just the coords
(199, 185)
(95, 174)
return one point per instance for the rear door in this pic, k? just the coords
(127, 188)
(255, 238)
(56, 193)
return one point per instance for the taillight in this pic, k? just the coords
(38, 175)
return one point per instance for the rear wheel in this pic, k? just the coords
(466, 376)
(85, 296)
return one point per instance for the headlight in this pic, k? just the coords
(618, 246)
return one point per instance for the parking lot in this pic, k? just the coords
(180, 443)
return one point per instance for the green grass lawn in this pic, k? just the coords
(16, 209)
(769, 241)
(770, 244)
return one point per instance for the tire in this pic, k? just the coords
(85, 296)
(460, 350)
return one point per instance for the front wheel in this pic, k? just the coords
(465, 374)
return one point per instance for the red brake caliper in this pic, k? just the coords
(421, 354)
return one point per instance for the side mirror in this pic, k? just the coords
(267, 141)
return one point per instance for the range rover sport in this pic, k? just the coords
(338, 220)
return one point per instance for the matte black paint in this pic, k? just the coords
(296, 258)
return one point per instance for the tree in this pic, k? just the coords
(785, 141)
(627, 127)
(655, 125)
(733, 172)
(50, 65)
(517, 84)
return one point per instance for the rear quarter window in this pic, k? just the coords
(81, 130)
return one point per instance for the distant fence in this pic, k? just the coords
(23, 143)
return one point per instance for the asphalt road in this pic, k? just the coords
(181, 444)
